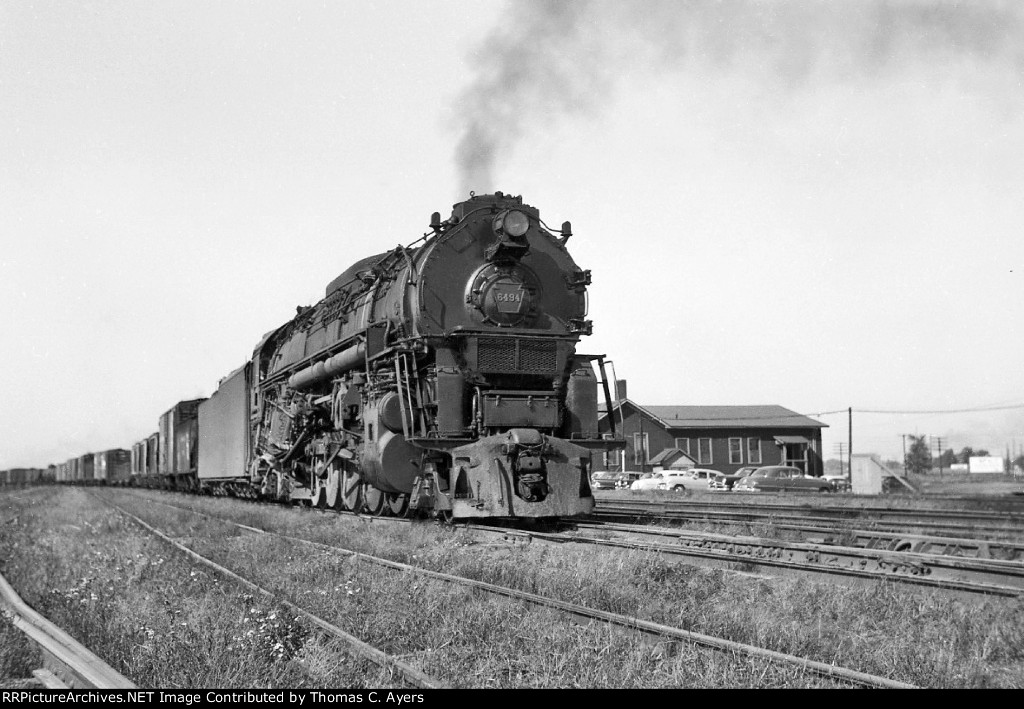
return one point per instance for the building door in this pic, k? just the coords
(795, 454)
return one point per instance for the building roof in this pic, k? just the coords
(760, 416)
(669, 456)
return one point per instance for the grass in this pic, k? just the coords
(165, 622)
(18, 656)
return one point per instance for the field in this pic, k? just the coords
(163, 621)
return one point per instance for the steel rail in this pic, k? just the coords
(638, 624)
(807, 504)
(1010, 525)
(65, 657)
(944, 572)
(355, 645)
(864, 539)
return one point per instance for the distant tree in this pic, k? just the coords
(835, 466)
(947, 458)
(965, 454)
(1019, 461)
(919, 458)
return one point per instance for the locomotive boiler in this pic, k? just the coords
(441, 377)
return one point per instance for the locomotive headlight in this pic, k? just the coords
(512, 223)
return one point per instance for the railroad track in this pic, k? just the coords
(66, 662)
(970, 575)
(966, 574)
(823, 532)
(658, 631)
(354, 645)
(994, 527)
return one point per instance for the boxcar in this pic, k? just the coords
(224, 429)
(179, 443)
(112, 466)
(86, 469)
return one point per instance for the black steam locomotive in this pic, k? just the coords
(440, 378)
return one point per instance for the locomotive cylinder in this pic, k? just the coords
(323, 371)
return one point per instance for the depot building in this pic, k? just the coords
(722, 438)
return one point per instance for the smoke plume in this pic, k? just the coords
(549, 60)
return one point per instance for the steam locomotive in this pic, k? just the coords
(437, 378)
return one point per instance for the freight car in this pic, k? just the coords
(145, 459)
(442, 377)
(112, 467)
(24, 476)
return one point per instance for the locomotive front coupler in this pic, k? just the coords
(525, 449)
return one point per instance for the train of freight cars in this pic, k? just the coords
(438, 378)
(27, 476)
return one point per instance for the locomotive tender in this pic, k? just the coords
(440, 377)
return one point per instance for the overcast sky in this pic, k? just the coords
(815, 205)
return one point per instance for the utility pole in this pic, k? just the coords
(938, 444)
(904, 454)
(849, 444)
(839, 447)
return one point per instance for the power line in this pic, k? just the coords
(943, 411)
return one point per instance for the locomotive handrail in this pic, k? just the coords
(412, 269)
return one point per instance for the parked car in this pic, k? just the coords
(691, 479)
(603, 480)
(839, 483)
(680, 480)
(726, 481)
(781, 478)
(624, 480)
(647, 481)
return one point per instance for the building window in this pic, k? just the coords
(704, 451)
(754, 450)
(683, 444)
(735, 450)
(641, 452)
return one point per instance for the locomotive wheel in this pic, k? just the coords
(338, 503)
(332, 488)
(373, 500)
(397, 504)
(351, 493)
(321, 498)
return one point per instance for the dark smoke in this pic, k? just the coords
(546, 60)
